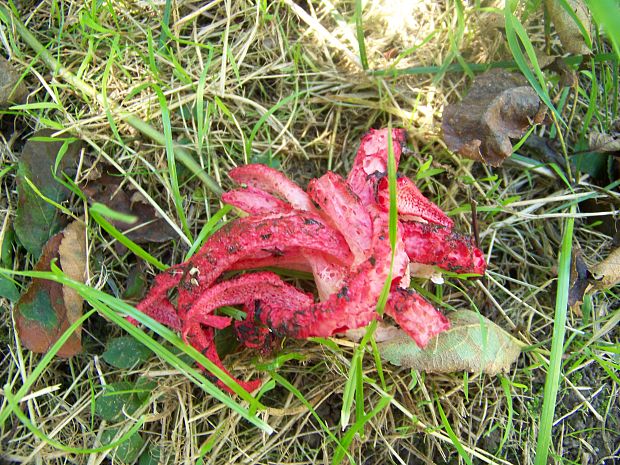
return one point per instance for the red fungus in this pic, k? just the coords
(344, 243)
(411, 204)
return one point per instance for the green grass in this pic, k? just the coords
(552, 381)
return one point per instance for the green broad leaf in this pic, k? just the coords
(116, 398)
(128, 451)
(37, 219)
(125, 352)
(150, 456)
(6, 251)
(473, 343)
(8, 289)
(143, 388)
(266, 158)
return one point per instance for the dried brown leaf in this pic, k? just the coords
(72, 253)
(608, 271)
(12, 89)
(566, 27)
(600, 142)
(47, 309)
(499, 106)
(110, 190)
(579, 281)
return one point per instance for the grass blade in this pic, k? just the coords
(120, 237)
(517, 37)
(552, 380)
(172, 167)
(453, 437)
(359, 28)
(284, 383)
(14, 408)
(43, 363)
(207, 230)
(607, 14)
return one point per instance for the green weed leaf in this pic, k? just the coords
(150, 456)
(8, 289)
(128, 451)
(116, 398)
(125, 352)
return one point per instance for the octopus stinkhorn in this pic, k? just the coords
(338, 231)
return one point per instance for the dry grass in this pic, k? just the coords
(254, 56)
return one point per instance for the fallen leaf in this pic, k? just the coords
(607, 272)
(45, 311)
(110, 190)
(600, 142)
(12, 88)
(579, 281)
(36, 220)
(473, 343)
(125, 352)
(499, 106)
(567, 28)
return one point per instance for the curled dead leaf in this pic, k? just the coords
(600, 142)
(499, 106)
(579, 280)
(608, 271)
(473, 343)
(47, 309)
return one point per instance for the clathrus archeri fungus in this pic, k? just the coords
(338, 231)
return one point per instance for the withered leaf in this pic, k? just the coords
(45, 311)
(608, 271)
(579, 280)
(36, 220)
(567, 28)
(12, 89)
(110, 190)
(473, 343)
(499, 106)
(600, 142)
